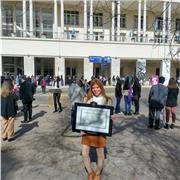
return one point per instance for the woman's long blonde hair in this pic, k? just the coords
(6, 88)
(101, 86)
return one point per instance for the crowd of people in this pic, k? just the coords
(80, 90)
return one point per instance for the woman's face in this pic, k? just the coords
(96, 90)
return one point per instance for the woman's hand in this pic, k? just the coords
(82, 133)
(115, 117)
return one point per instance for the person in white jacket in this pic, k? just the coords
(76, 92)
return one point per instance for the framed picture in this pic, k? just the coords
(92, 118)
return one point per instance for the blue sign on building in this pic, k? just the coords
(107, 59)
(100, 59)
(95, 59)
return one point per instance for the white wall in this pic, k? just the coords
(49, 48)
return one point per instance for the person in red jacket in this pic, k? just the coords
(43, 85)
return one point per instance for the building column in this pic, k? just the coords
(62, 19)
(144, 20)
(139, 20)
(164, 21)
(118, 19)
(55, 20)
(1, 68)
(0, 20)
(141, 69)
(115, 67)
(85, 19)
(29, 65)
(31, 17)
(91, 19)
(113, 21)
(169, 22)
(60, 66)
(165, 70)
(24, 18)
(88, 69)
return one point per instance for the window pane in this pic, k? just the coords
(71, 17)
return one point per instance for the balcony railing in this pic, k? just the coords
(97, 36)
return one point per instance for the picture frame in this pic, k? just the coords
(92, 118)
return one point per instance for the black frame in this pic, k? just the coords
(93, 105)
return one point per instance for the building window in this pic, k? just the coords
(71, 18)
(8, 15)
(122, 21)
(37, 23)
(158, 26)
(7, 21)
(177, 24)
(47, 20)
(136, 22)
(19, 23)
(98, 19)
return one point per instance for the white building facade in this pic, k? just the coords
(90, 37)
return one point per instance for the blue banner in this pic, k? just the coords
(100, 59)
(95, 59)
(107, 59)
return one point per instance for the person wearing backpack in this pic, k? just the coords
(157, 100)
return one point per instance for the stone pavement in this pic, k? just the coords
(46, 149)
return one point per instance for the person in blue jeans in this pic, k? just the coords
(118, 95)
(127, 92)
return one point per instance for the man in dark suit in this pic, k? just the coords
(26, 95)
(157, 100)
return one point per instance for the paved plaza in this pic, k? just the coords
(46, 149)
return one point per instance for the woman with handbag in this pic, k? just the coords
(8, 110)
(96, 94)
(136, 94)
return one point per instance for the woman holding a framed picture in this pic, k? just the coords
(95, 94)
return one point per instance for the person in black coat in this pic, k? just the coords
(8, 110)
(171, 103)
(136, 94)
(118, 95)
(57, 93)
(26, 95)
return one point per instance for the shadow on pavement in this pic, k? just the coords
(153, 146)
(39, 114)
(25, 128)
(129, 123)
